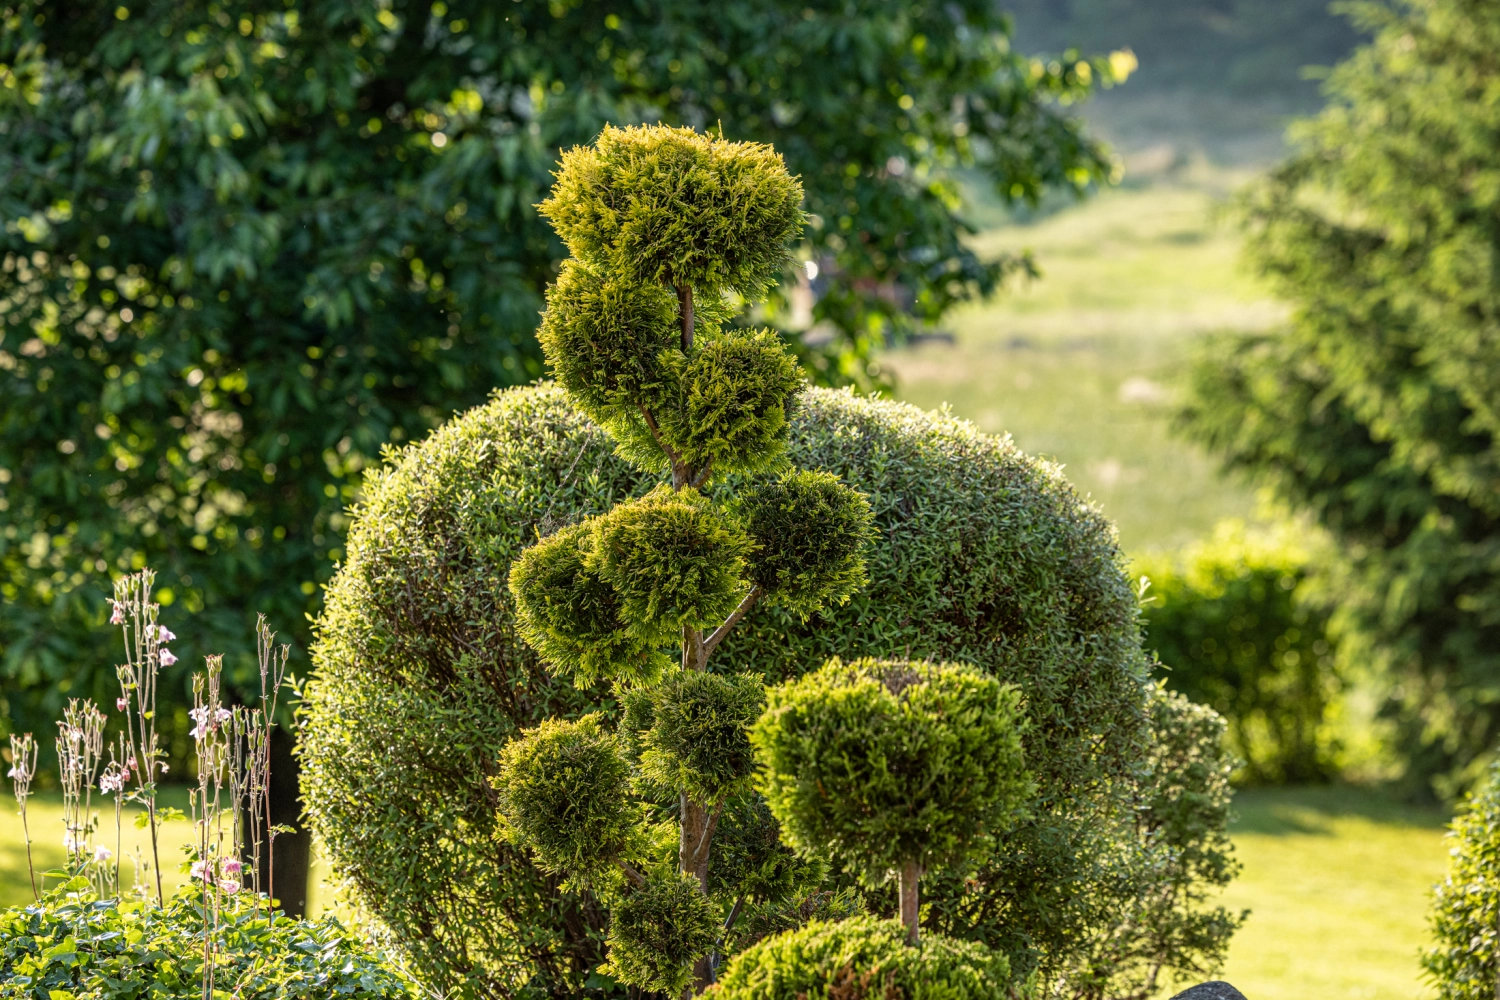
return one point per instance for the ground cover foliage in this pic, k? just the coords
(1374, 409)
(981, 555)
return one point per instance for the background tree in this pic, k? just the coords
(1375, 409)
(893, 766)
(246, 245)
(664, 224)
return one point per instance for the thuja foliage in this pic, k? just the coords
(644, 211)
(1464, 962)
(893, 766)
(1230, 622)
(863, 957)
(1374, 410)
(980, 555)
(73, 943)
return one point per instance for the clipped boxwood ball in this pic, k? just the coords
(862, 957)
(980, 555)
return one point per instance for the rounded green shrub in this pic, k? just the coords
(863, 958)
(568, 613)
(657, 930)
(673, 561)
(562, 793)
(981, 555)
(799, 564)
(750, 861)
(1464, 962)
(878, 763)
(699, 739)
(1228, 623)
(673, 206)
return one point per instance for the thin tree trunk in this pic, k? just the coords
(685, 311)
(911, 872)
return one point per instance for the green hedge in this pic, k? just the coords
(983, 556)
(1464, 962)
(1226, 622)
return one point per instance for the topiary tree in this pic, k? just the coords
(1464, 963)
(664, 224)
(981, 555)
(889, 765)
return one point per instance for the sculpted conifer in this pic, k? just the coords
(666, 228)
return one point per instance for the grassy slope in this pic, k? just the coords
(1078, 366)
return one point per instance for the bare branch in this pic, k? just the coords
(636, 878)
(718, 634)
(679, 471)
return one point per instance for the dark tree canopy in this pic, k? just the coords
(1376, 408)
(247, 244)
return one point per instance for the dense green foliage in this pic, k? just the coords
(1465, 962)
(245, 246)
(1375, 410)
(562, 793)
(658, 930)
(74, 944)
(1226, 622)
(653, 206)
(810, 537)
(879, 763)
(980, 555)
(859, 958)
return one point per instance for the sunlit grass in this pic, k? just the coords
(1081, 365)
(1337, 881)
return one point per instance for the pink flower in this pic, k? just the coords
(165, 769)
(118, 617)
(167, 659)
(229, 885)
(102, 853)
(200, 869)
(122, 703)
(112, 781)
(163, 635)
(230, 866)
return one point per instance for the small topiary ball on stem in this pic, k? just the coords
(889, 765)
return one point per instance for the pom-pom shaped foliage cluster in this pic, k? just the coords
(810, 534)
(663, 224)
(674, 206)
(563, 794)
(980, 555)
(883, 762)
(699, 736)
(657, 930)
(1464, 964)
(863, 957)
(750, 860)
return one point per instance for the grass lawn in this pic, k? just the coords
(1337, 882)
(1080, 366)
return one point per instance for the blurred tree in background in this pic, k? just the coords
(247, 244)
(1224, 618)
(1376, 409)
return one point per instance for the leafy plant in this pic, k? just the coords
(73, 943)
(1464, 962)
(645, 210)
(1232, 630)
(889, 765)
